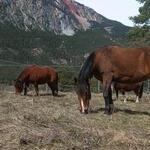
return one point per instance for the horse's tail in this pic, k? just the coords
(141, 90)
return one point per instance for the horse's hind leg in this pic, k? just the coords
(36, 89)
(125, 97)
(137, 96)
(54, 92)
(116, 94)
(111, 105)
(107, 94)
(49, 85)
(137, 99)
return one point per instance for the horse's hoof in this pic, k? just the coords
(106, 112)
(111, 109)
(109, 112)
(85, 112)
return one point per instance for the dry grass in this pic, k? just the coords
(48, 123)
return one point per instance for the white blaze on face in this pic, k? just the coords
(82, 105)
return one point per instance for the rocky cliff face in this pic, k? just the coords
(24, 37)
(60, 16)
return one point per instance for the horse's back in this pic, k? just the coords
(126, 64)
(39, 74)
(122, 52)
(118, 53)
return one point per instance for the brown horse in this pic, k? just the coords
(122, 87)
(37, 75)
(112, 64)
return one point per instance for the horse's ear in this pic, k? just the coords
(75, 80)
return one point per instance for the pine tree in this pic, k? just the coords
(139, 35)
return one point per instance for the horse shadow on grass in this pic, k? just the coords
(49, 94)
(132, 112)
(122, 100)
(97, 110)
(46, 94)
(128, 111)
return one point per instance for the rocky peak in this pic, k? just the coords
(60, 16)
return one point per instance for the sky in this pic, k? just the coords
(119, 10)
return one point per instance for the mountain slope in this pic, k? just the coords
(61, 16)
(53, 31)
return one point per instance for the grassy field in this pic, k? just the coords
(54, 123)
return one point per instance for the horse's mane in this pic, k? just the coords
(86, 70)
(22, 75)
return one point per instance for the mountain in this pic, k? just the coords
(44, 29)
(60, 16)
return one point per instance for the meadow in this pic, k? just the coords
(54, 123)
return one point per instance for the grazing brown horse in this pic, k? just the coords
(37, 75)
(122, 87)
(112, 64)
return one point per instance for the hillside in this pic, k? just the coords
(59, 16)
(53, 31)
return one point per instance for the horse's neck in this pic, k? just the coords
(21, 77)
(87, 69)
(86, 76)
(84, 79)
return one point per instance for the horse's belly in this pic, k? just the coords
(131, 79)
(124, 79)
(42, 82)
(38, 80)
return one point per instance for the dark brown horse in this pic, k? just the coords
(37, 75)
(112, 64)
(122, 87)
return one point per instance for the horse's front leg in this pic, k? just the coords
(111, 104)
(137, 96)
(25, 89)
(107, 94)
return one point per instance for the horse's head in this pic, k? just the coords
(18, 86)
(84, 95)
